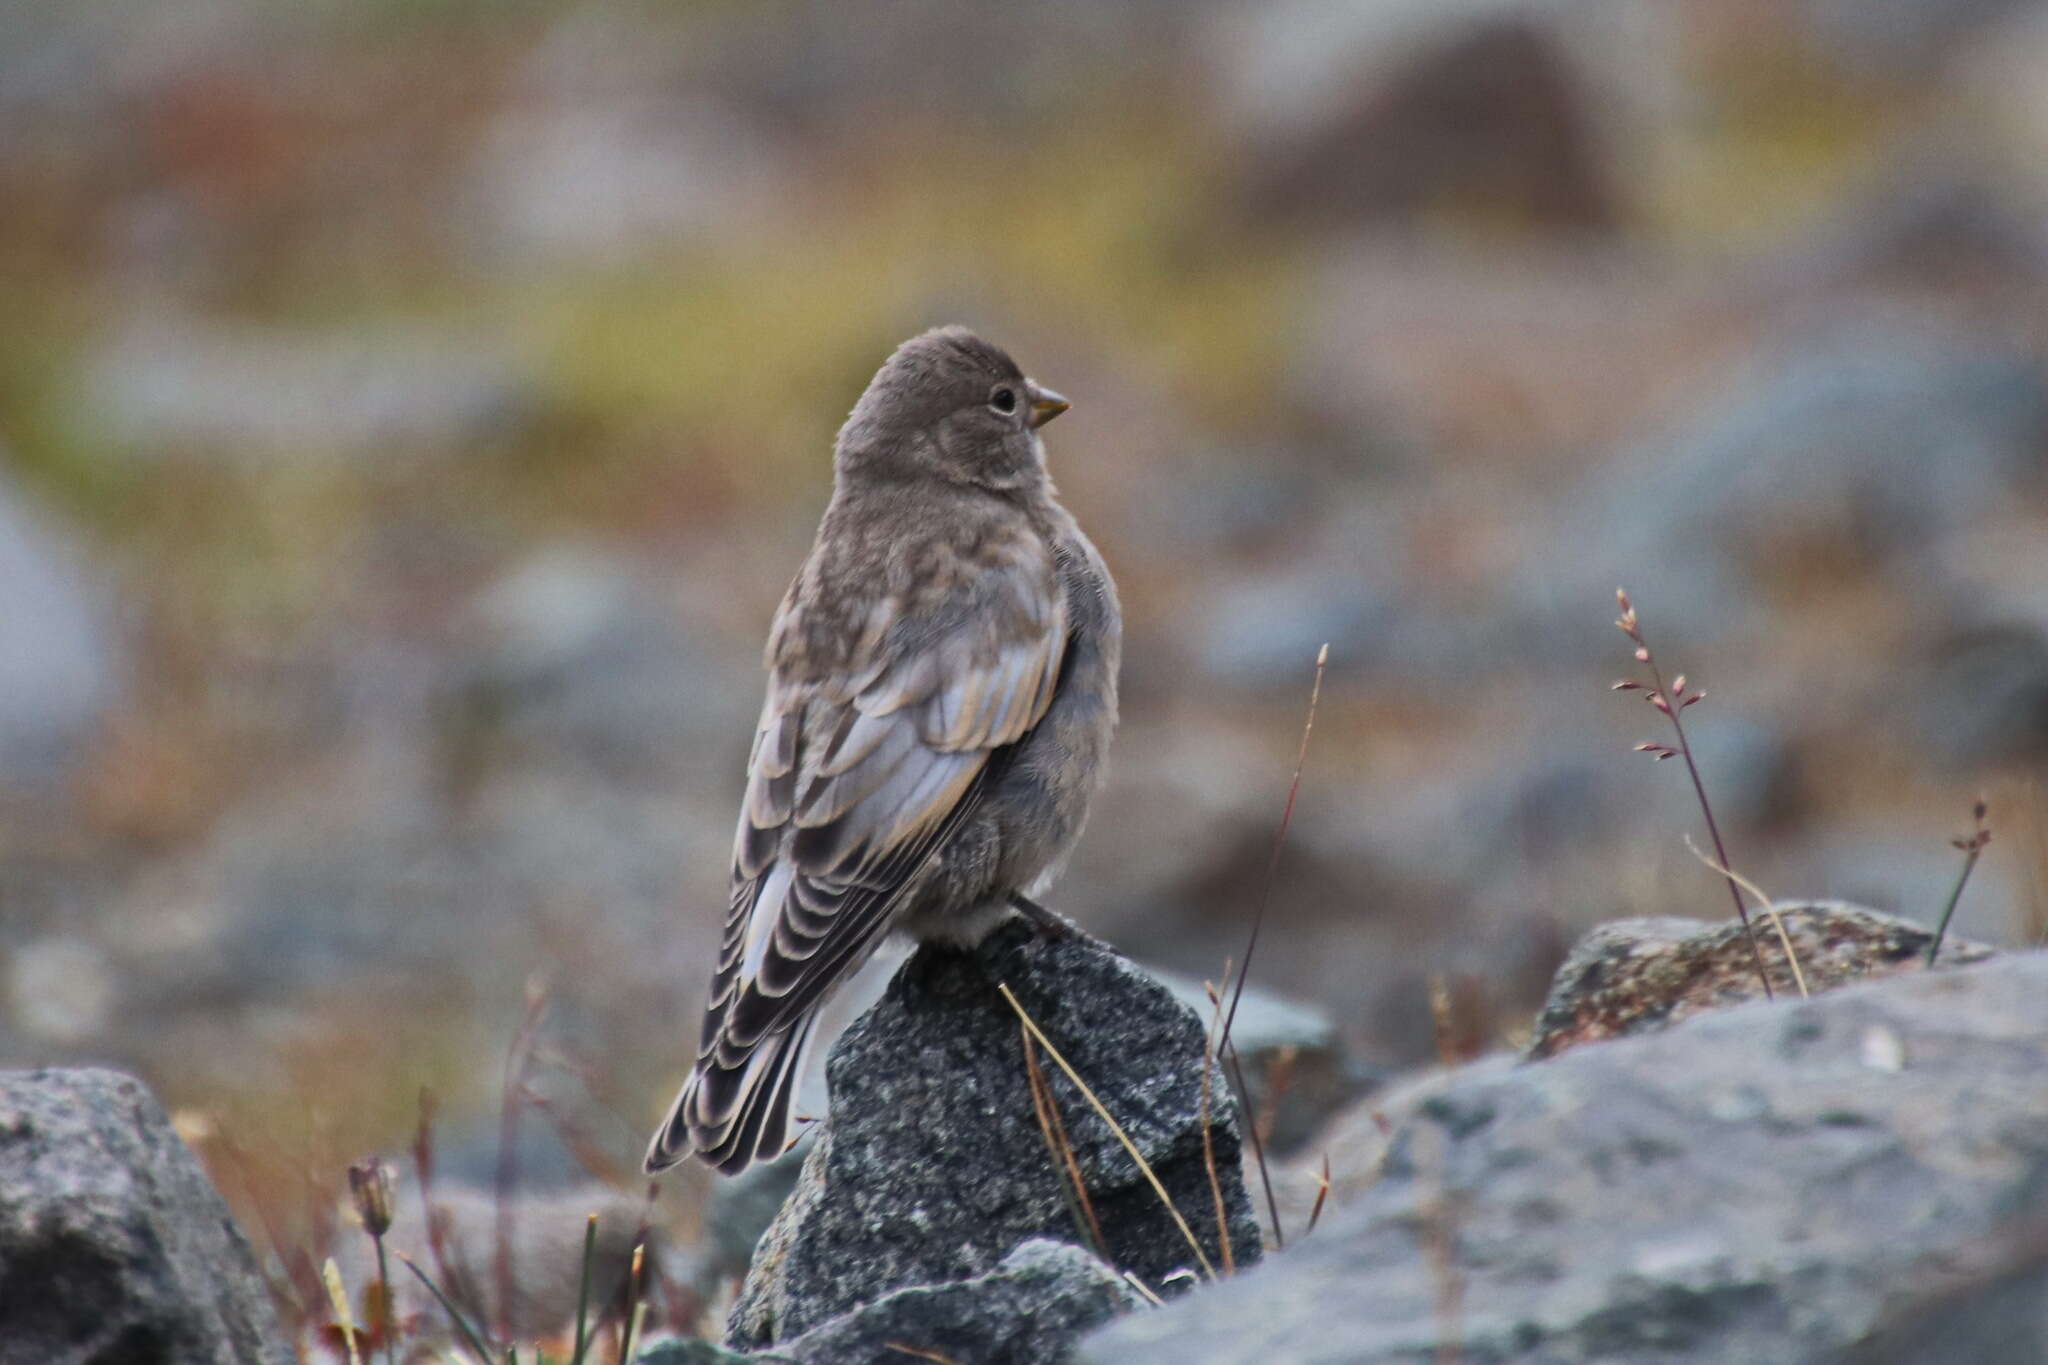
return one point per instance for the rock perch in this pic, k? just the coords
(932, 1167)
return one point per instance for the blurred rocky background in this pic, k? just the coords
(411, 413)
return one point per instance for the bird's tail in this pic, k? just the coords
(732, 1116)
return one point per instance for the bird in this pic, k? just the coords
(941, 694)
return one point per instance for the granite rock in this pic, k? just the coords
(114, 1247)
(1636, 975)
(932, 1166)
(1773, 1181)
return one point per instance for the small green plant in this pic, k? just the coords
(1972, 847)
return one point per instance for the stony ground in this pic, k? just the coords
(409, 415)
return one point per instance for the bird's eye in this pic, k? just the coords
(1003, 400)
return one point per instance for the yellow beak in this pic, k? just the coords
(1045, 404)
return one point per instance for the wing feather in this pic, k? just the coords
(857, 779)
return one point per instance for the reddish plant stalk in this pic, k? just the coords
(1671, 701)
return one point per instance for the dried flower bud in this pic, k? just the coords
(1695, 699)
(1625, 685)
(1642, 656)
(1660, 703)
(370, 1185)
(1980, 810)
(1678, 686)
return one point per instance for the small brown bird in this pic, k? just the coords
(941, 693)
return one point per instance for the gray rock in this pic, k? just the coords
(693, 1351)
(1637, 975)
(2003, 1316)
(113, 1245)
(178, 385)
(1364, 111)
(579, 653)
(58, 656)
(1892, 39)
(1762, 1183)
(583, 175)
(932, 1167)
(1983, 696)
(1028, 1311)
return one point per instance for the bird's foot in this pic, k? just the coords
(1051, 925)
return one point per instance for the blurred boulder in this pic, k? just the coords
(690, 1351)
(583, 175)
(742, 1207)
(2002, 1314)
(60, 659)
(1351, 1151)
(60, 988)
(1891, 40)
(579, 652)
(193, 388)
(1983, 695)
(1637, 975)
(1909, 867)
(1569, 792)
(932, 1167)
(1401, 110)
(113, 1244)
(1760, 1183)
(1297, 1069)
(1851, 446)
(360, 871)
(1029, 1310)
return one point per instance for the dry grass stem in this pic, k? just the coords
(1440, 1020)
(337, 1294)
(1236, 1064)
(1279, 1082)
(583, 1291)
(1144, 1290)
(1144, 1166)
(518, 1056)
(1208, 1140)
(917, 1354)
(468, 1333)
(1054, 1130)
(1767, 905)
(1229, 1048)
(1972, 847)
(636, 1306)
(1315, 1213)
(1673, 701)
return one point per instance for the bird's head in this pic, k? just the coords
(950, 405)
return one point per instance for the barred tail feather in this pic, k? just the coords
(732, 1116)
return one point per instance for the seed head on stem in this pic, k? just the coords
(1672, 701)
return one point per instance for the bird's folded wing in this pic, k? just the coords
(854, 786)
